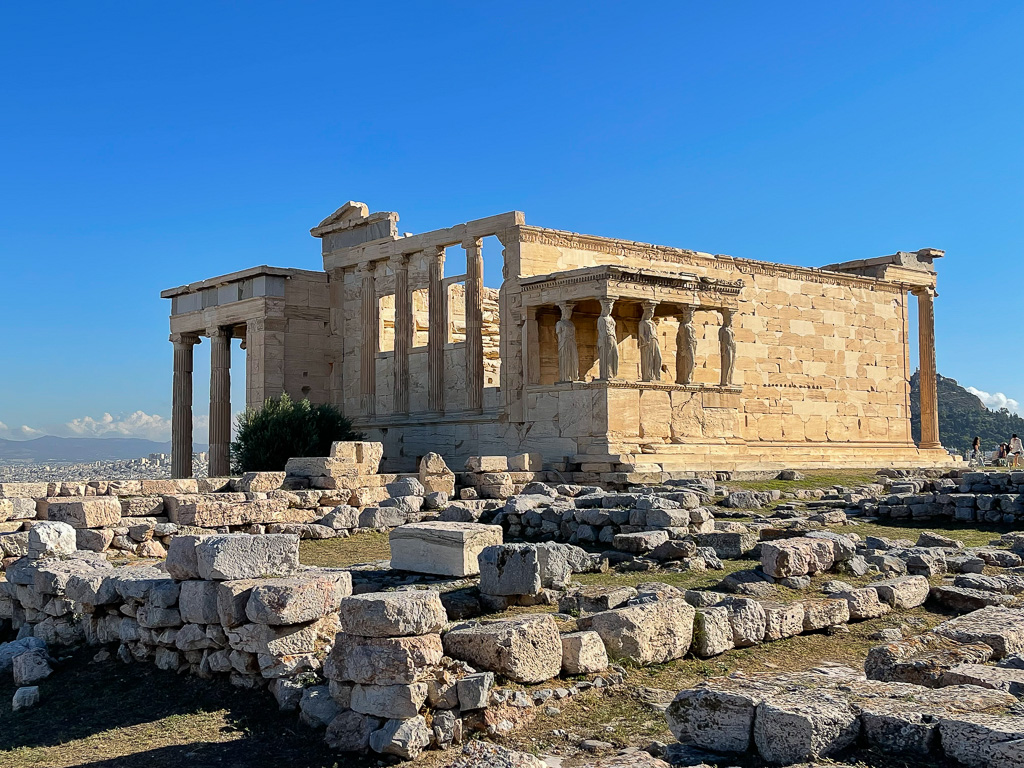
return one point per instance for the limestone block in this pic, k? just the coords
(997, 678)
(730, 546)
(50, 539)
(526, 462)
(288, 640)
(526, 649)
(796, 557)
(652, 633)
(403, 738)
(25, 697)
(983, 741)
(747, 619)
(473, 691)
(31, 667)
(17, 508)
(640, 542)
(905, 592)
(782, 620)
(819, 614)
(715, 720)
(365, 454)
(232, 598)
(712, 632)
(241, 556)
(182, 561)
(197, 602)
(166, 487)
(510, 569)
(1002, 629)
(583, 653)
(446, 549)
(296, 599)
(210, 512)
(922, 659)
(85, 512)
(804, 725)
(259, 482)
(93, 539)
(383, 660)
(350, 731)
(392, 614)
(388, 701)
(317, 708)
(863, 603)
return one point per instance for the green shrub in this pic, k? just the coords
(282, 429)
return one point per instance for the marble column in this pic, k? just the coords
(686, 347)
(369, 343)
(403, 333)
(929, 396)
(437, 330)
(181, 404)
(607, 341)
(220, 401)
(727, 347)
(474, 325)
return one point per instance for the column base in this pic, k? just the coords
(929, 446)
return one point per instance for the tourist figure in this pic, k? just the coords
(1016, 451)
(650, 352)
(976, 457)
(568, 358)
(607, 343)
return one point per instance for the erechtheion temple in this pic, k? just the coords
(612, 355)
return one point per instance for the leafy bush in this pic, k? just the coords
(282, 429)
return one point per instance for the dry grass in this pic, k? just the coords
(813, 478)
(359, 548)
(975, 536)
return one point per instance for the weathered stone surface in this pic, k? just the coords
(446, 549)
(25, 697)
(639, 542)
(997, 678)
(30, 667)
(317, 708)
(652, 633)
(290, 640)
(473, 691)
(719, 721)
(93, 539)
(259, 482)
(782, 620)
(85, 512)
(802, 725)
(510, 569)
(182, 561)
(964, 600)
(747, 619)
(583, 653)
(899, 726)
(402, 738)
(904, 592)
(477, 754)
(983, 741)
(50, 539)
(197, 602)
(712, 632)
(383, 660)
(728, 545)
(350, 731)
(1002, 629)
(797, 557)
(526, 649)
(392, 614)
(389, 701)
(922, 659)
(241, 556)
(863, 603)
(296, 599)
(819, 614)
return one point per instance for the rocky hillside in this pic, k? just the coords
(962, 416)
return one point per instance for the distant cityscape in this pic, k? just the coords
(155, 466)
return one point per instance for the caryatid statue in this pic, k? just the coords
(727, 341)
(607, 342)
(650, 351)
(568, 357)
(686, 348)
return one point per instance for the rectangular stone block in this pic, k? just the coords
(84, 512)
(444, 549)
(241, 556)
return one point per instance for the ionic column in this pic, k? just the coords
(926, 351)
(220, 401)
(181, 404)
(437, 330)
(727, 345)
(474, 325)
(403, 332)
(686, 347)
(370, 342)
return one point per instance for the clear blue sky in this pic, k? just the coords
(146, 145)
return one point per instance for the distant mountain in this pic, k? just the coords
(962, 416)
(80, 449)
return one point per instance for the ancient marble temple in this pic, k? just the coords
(609, 354)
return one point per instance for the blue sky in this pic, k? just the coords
(147, 145)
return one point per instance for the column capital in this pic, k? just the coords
(399, 260)
(924, 292)
(472, 242)
(566, 308)
(219, 331)
(607, 305)
(184, 339)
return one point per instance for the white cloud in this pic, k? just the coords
(137, 424)
(24, 432)
(996, 400)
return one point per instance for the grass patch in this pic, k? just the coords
(813, 478)
(977, 535)
(366, 547)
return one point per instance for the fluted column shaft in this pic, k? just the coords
(403, 333)
(370, 342)
(929, 396)
(220, 401)
(474, 325)
(437, 331)
(181, 404)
